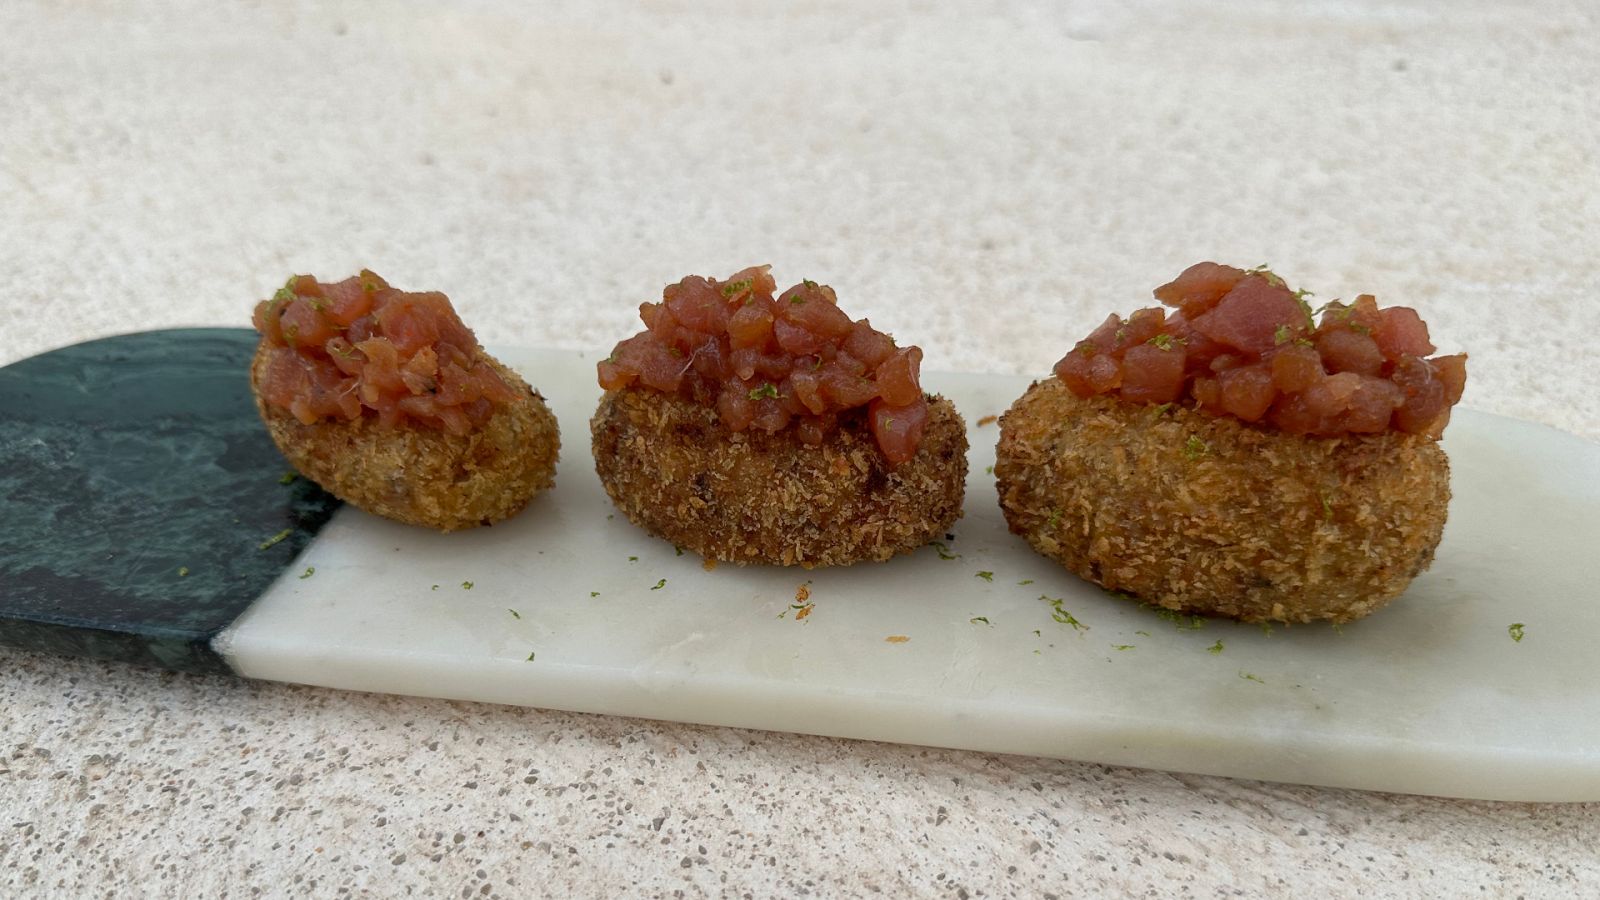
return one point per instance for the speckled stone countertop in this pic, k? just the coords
(986, 180)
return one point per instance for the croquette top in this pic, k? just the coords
(774, 363)
(1243, 344)
(358, 347)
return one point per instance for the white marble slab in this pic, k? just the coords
(1429, 696)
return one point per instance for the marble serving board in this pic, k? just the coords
(1479, 683)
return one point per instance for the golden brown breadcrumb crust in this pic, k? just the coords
(1208, 515)
(425, 476)
(754, 497)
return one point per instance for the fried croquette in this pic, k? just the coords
(677, 471)
(386, 400)
(1236, 457)
(426, 476)
(756, 428)
(1207, 515)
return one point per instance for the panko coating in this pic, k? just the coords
(675, 470)
(1207, 515)
(386, 400)
(755, 428)
(1237, 458)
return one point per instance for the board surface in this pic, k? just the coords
(138, 488)
(569, 606)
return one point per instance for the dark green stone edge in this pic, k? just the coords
(144, 506)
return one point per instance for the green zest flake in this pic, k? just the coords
(1194, 448)
(988, 470)
(784, 614)
(809, 283)
(944, 551)
(287, 477)
(275, 540)
(1301, 295)
(797, 300)
(1327, 509)
(1216, 648)
(1181, 621)
(466, 585)
(768, 390)
(1515, 631)
(514, 614)
(1061, 615)
(594, 593)
(1266, 272)
(733, 288)
(1338, 628)
(1086, 348)
(1054, 520)
(986, 576)
(1282, 335)
(1161, 341)
(677, 550)
(434, 588)
(979, 619)
(1026, 581)
(531, 654)
(310, 571)
(1266, 628)
(282, 294)
(1122, 646)
(633, 559)
(183, 571)
(1157, 412)
(1145, 633)
(1037, 633)
(659, 585)
(1249, 677)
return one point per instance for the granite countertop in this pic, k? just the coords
(988, 184)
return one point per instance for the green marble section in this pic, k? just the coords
(142, 502)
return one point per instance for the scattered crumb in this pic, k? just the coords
(896, 639)
(802, 602)
(710, 565)
(988, 420)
